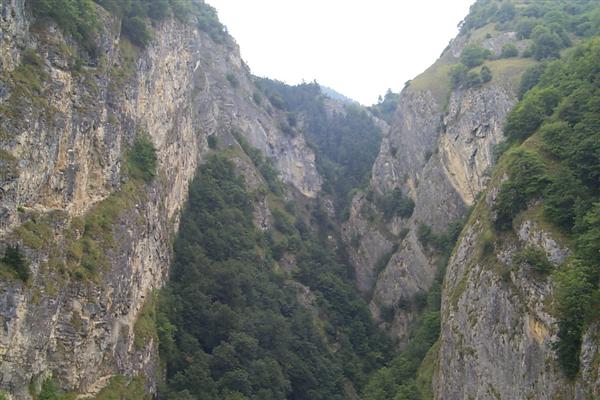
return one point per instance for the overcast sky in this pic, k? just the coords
(359, 48)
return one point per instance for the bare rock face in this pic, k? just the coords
(70, 143)
(498, 332)
(473, 127)
(411, 138)
(439, 150)
(367, 245)
(493, 319)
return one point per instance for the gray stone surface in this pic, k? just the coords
(178, 93)
(441, 155)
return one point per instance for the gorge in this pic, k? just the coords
(173, 227)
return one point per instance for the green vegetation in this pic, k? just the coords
(205, 15)
(549, 25)
(424, 379)
(574, 304)
(8, 165)
(15, 260)
(554, 21)
(395, 203)
(126, 69)
(233, 80)
(509, 50)
(346, 144)
(36, 233)
(263, 164)
(547, 43)
(79, 18)
(212, 141)
(50, 391)
(141, 159)
(27, 88)
(440, 243)
(462, 77)
(473, 55)
(535, 259)
(485, 74)
(403, 377)
(530, 78)
(527, 178)
(89, 239)
(507, 72)
(119, 389)
(528, 115)
(462, 74)
(435, 79)
(136, 12)
(229, 322)
(84, 251)
(136, 29)
(76, 18)
(556, 161)
(458, 75)
(386, 106)
(145, 325)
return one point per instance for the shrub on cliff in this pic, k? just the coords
(75, 17)
(528, 115)
(473, 55)
(527, 178)
(136, 30)
(14, 259)
(574, 294)
(509, 50)
(141, 159)
(395, 203)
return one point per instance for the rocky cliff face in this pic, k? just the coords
(439, 150)
(498, 332)
(67, 140)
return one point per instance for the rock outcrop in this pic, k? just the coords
(498, 330)
(439, 150)
(71, 139)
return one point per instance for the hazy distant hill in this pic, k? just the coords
(329, 92)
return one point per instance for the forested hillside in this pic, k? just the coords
(232, 325)
(555, 162)
(536, 230)
(346, 137)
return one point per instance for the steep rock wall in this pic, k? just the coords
(498, 330)
(70, 155)
(439, 150)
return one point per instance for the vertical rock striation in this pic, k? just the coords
(71, 142)
(439, 150)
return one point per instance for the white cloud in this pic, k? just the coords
(359, 48)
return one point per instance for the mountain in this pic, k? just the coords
(113, 115)
(335, 95)
(464, 144)
(99, 144)
(173, 227)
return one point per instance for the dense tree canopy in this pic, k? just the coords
(562, 108)
(231, 327)
(346, 143)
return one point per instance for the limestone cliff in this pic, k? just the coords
(499, 330)
(69, 137)
(439, 150)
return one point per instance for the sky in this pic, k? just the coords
(358, 48)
